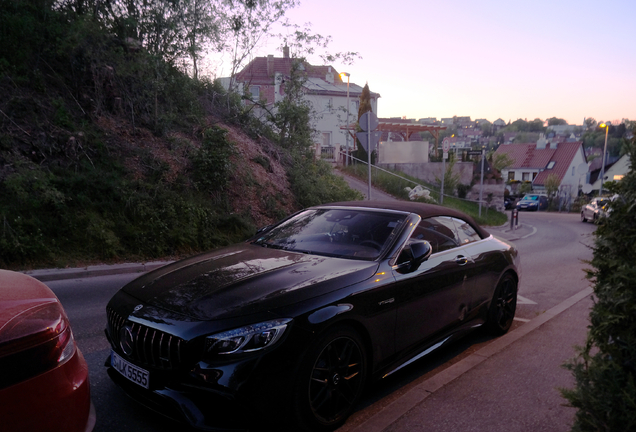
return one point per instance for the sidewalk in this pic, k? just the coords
(505, 232)
(510, 385)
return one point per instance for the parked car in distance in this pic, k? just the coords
(44, 382)
(508, 203)
(533, 202)
(292, 323)
(595, 210)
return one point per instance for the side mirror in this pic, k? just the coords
(420, 251)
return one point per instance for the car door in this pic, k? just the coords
(436, 296)
(484, 268)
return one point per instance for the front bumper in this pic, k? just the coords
(234, 396)
(199, 408)
(55, 400)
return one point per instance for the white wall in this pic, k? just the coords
(621, 167)
(392, 152)
(329, 117)
(572, 179)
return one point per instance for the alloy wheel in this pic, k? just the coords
(336, 380)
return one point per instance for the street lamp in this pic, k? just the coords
(606, 126)
(347, 74)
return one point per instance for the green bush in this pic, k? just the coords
(211, 163)
(605, 368)
(313, 183)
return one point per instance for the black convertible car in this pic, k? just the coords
(292, 323)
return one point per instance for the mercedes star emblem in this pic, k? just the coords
(126, 340)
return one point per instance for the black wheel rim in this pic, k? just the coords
(506, 304)
(336, 380)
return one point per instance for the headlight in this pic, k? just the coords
(246, 339)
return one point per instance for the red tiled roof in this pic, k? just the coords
(528, 156)
(256, 71)
(563, 156)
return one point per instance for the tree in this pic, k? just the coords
(605, 367)
(292, 115)
(247, 22)
(486, 129)
(501, 161)
(552, 184)
(451, 178)
(199, 29)
(590, 123)
(536, 125)
(365, 106)
(553, 121)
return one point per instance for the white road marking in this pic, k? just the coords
(523, 300)
(534, 230)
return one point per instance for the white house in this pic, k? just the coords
(324, 89)
(535, 162)
(614, 172)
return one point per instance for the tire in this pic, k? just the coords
(583, 219)
(503, 306)
(330, 380)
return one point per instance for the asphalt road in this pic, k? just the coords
(552, 261)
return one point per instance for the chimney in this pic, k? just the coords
(329, 77)
(285, 51)
(541, 142)
(270, 65)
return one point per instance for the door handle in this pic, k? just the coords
(461, 260)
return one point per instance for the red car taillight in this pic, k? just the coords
(34, 341)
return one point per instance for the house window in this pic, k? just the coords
(326, 139)
(255, 92)
(525, 176)
(551, 165)
(511, 175)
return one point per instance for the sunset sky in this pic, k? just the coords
(487, 59)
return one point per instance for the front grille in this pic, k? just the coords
(150, 347)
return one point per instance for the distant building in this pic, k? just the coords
(458, 142)
(614, 171)
(565, 129)
(264, 79)
(534, 162)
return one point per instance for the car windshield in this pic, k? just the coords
(530, 197)
(344, 233)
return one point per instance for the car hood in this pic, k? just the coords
(20, 293)
(244, 279)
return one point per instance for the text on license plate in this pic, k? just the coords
(130, 371)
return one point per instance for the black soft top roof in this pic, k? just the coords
(422, 209)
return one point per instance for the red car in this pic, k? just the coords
(44, 377)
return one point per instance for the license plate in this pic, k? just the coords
(130, 371)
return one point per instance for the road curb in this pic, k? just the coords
(91, 271)
(399, 407)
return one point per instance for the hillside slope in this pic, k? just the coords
(109, 152)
